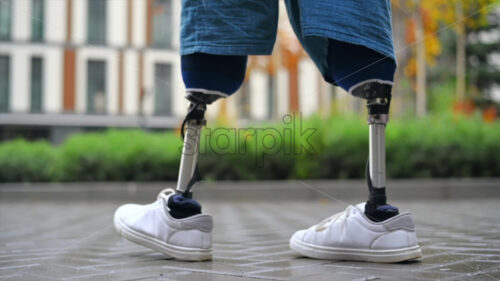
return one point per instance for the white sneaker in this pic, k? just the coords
(350, 235)
(153, 226)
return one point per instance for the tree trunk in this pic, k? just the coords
(421, 101)
(293, 80)
(400, 100)
(460, 86)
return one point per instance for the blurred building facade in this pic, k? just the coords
(74, 65)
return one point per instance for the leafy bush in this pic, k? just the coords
(445, 146)
(442, 96)
(22, 161)
(119, 156)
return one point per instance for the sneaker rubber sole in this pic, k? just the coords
(331, 253)
(182, 253)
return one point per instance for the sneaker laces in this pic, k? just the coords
(341, 215)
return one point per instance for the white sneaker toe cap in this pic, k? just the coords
(299, 235)
(126, 213)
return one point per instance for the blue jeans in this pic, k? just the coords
(248, 27)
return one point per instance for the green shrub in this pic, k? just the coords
(444, 146)
(442, 96)
(119, 156)
(22, 161)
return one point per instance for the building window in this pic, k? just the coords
(5, 19)
(163, 89)
(96, 27)
(4, 83)
(162, 23)
(37, 19)
(96, 87)
(36, 84)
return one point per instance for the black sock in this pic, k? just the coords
(376, 207)
(183, 207)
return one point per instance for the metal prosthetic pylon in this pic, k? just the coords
(191, 132)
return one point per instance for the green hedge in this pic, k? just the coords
(430, 147)
(24, 161)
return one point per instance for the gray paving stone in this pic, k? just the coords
(57, 240)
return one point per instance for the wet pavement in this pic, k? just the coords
(75, 240)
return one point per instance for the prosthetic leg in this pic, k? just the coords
(191, 132)
(207, 78)
(378, 96)
(182, 205)
(368, 74)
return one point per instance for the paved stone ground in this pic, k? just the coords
(53, 240)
